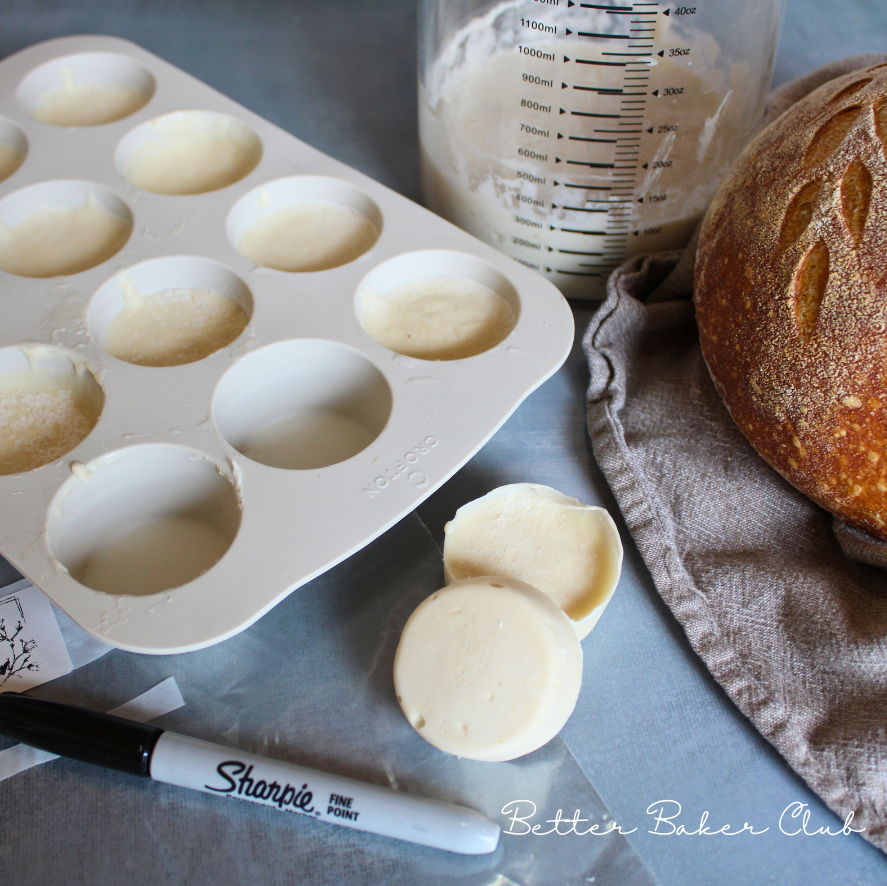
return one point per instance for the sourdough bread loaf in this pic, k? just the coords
(791, 296)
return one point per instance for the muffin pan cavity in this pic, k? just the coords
(61, 227)
(437, 305)
(49, 401)
(193, 287)
(144, 520)
(188, 152)
(305, 223)
(302, 404)
(170, 311)
(86, 89)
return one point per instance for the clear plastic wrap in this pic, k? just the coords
(310, 682)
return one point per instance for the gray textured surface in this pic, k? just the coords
(651, 723)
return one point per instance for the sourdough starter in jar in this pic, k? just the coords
(572, 138)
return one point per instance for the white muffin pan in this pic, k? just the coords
(210, 530)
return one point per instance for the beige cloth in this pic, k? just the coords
(794, 631)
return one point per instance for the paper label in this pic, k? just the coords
(32, 650)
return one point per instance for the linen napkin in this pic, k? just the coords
(786, 610)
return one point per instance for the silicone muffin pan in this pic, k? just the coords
(183, 494)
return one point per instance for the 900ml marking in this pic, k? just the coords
(415, 477)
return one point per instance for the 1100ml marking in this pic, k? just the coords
(415, 477)
(538, 26)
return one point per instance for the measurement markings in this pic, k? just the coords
(584, 138)
(591, 165)
(577, 252)
(579, 208)
(602, 90)
(558, 184)
(588, 61)
(603, 36)
(579, 231)
(592, 114)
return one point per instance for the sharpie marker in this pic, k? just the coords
(152, 752)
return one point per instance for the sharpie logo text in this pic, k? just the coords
(239, 782)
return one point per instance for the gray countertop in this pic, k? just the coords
(651, 725)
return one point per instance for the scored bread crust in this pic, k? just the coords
(791, 296)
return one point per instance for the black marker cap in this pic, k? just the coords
(69, 731)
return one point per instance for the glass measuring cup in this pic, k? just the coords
(572, 135)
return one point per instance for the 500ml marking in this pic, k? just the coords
(403, 465)
(527, 176)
